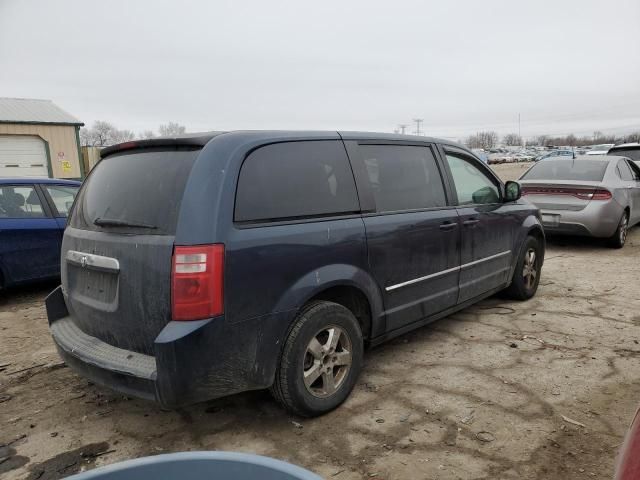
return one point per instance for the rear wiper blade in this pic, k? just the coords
(112, 222)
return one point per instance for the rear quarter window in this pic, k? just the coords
(62, 197)
(143, 188)
(295, 180)
(624, 171)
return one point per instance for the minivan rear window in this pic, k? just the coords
(135, 192)
(567, 169)
(293, 180)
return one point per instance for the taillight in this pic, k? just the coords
(582, 193)
(601, 194)
(197, 282)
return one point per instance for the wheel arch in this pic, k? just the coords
(537, 232)
(353, 299)
(531, 227)
(346, 285)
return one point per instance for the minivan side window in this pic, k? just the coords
(403, 177)
(296, 179)
(472, 184)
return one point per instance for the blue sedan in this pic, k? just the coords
(33, 214)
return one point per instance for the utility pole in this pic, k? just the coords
(402, 127)
(519, 134)
(418, 121)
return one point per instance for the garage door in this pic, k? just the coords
(22, 156)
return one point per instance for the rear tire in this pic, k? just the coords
(321, 360)
(526, 276)
(619, 238)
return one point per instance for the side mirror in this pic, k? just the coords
(485, 195)
(512, 191)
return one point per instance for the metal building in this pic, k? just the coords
(38, 139)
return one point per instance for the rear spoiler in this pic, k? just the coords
(195, 140)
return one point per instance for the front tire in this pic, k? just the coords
(619, 238)
(526, 276)
(321, 360)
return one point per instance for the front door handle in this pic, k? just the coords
(448, 226)
(471, 222)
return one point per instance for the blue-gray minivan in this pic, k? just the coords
(198, 267)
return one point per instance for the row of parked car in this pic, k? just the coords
(512, 157)
(201, 266)
(535, 154)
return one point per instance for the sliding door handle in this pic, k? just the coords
(448, 226)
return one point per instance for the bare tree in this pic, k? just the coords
(512, 139)
(119, 136)
(104, 133)
(472, 141)
(632, 138)
(85, 137)
(541, 140)
(484, 140)
(146, 135)
(488, 139)
(171, 129)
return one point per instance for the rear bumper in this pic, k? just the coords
(132, 372)
(597, 219)
(192, 361)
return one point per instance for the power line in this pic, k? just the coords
(418, 121)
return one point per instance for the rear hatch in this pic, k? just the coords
(117, 250)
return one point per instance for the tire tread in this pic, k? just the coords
(280, 388)
(516, 290)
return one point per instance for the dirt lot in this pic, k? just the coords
(543, 389)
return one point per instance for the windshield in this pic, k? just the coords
(567, 169)
(135, 192)
(601, 148)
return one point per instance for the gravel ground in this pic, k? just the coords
(503, 390)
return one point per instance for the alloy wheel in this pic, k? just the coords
(529, 271)
(327, 361)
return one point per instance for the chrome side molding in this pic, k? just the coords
(449, 270)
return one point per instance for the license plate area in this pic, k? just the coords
(95, 288)
(550, 219)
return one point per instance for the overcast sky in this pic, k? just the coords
(564, 65)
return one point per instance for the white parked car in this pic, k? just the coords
(600, 149)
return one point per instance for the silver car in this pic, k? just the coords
(594, 196)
